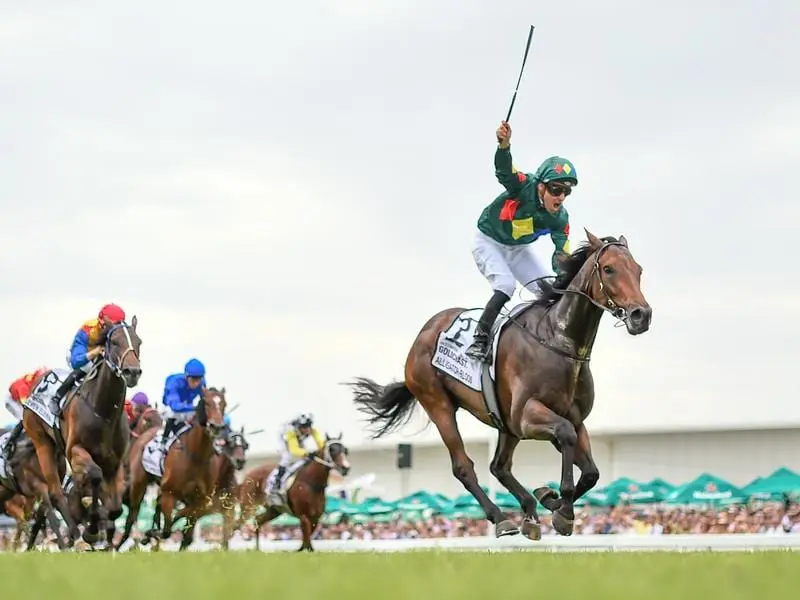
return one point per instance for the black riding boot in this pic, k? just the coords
(479, 350)
(277, 481)
(11, 444)
(168, 427)
(63, 390)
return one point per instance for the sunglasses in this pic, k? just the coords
(556, 189)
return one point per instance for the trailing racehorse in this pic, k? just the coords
(186, 474)
(230, 457)
(91, 431)
(305, 497)
(22, 485)
(543, 386)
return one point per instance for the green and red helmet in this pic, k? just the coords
(557, 168)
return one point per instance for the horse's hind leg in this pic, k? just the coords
(443, 414)
(539, 422)
(501, 469)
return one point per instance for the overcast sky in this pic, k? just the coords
(289, 190)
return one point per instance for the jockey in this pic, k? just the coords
(136, 407)
(292, 436)
(18, 393)
(180, 391)
(530, 207)
(85, 348)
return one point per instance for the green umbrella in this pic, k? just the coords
(640, 493)
(706, 489)
(419, 501)
(782, 481)
(664, 487)
(285, 520)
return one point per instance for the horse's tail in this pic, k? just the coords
(387, 408)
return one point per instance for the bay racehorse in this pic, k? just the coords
(22, 486)
(305, 497)
(91, 432)
(231, 455)
(544, 385)
(186, 474)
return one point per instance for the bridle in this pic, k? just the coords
(609, 305)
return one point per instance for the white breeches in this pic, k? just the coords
(504, 266)
(180, 417)
(286, 457)
(15, 408)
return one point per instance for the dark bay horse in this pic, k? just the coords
(305, 497)
(544, 386)
(91, 432)
(186, 477)
(230, 457)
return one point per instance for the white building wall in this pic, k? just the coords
(738, 456)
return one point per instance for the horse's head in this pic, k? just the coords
(611, 278)
(335, 453)
(211, 411)
(236, 448)
(122, 345)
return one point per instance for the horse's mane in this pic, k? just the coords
(570, 265)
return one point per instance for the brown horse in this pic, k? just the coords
(22, 485)
(186, 477)
(305, 497)
(147, 419)
(91, 431)
(230, 457)
(544, 386)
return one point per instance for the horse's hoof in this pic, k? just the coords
(504, 528)
(90, 538)
(548, 498)
(531, 529)
(562, 524)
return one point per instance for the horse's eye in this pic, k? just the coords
(608, 270)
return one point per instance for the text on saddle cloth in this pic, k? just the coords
(5, 468)
(452, 344)
(39, 400)
(153, 457)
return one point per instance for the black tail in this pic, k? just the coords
(387, 408)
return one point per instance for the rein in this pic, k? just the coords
(115, 366)
(609, 306)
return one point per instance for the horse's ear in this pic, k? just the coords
(327, 437)
(134, 322)
(594, 242)
(623, 241)
(339, 436)
(222, 391)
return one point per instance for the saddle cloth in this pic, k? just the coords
(153, 457)
(450, 357)
(39, 400)
(279, 499)
(5, 468)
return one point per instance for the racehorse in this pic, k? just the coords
(22, 485)
(305, 497)
(231, 457)
(544, 386)
(149, 418)
(186, 477)
(91, 432)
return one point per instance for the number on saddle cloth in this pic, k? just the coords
(39, 400)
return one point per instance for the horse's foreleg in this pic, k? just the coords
(540, 422)
(55, 493)
(307, 527)
(501, 469)
(590, 474)
(86, 469)
(443, 415)
(167, 504)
